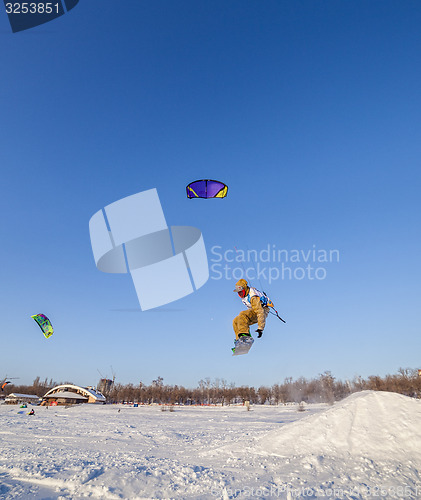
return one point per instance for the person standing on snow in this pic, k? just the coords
(256, 312)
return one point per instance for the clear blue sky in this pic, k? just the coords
(308, 110)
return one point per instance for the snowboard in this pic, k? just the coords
(242, 345)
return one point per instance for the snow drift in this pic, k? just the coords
(366, 424)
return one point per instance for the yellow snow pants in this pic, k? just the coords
(242, 322)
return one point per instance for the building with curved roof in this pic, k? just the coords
(68, 394)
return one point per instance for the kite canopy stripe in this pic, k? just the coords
(206, 188)
(44, 323)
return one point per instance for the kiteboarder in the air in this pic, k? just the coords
(256, 311)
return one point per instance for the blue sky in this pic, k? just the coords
(308, 110)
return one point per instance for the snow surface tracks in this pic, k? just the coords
(366, 446)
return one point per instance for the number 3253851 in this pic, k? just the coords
(32, 8)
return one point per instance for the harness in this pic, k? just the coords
(264, 300)
(253, 292)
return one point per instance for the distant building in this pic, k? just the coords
(15, 399)
(69, 394)
(105, 385)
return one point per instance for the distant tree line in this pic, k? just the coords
(38, 388)
(325, 388)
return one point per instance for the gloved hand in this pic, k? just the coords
(259, 333)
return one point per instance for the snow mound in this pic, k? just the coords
(366, 424)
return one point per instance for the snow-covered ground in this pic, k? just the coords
(366, 446)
